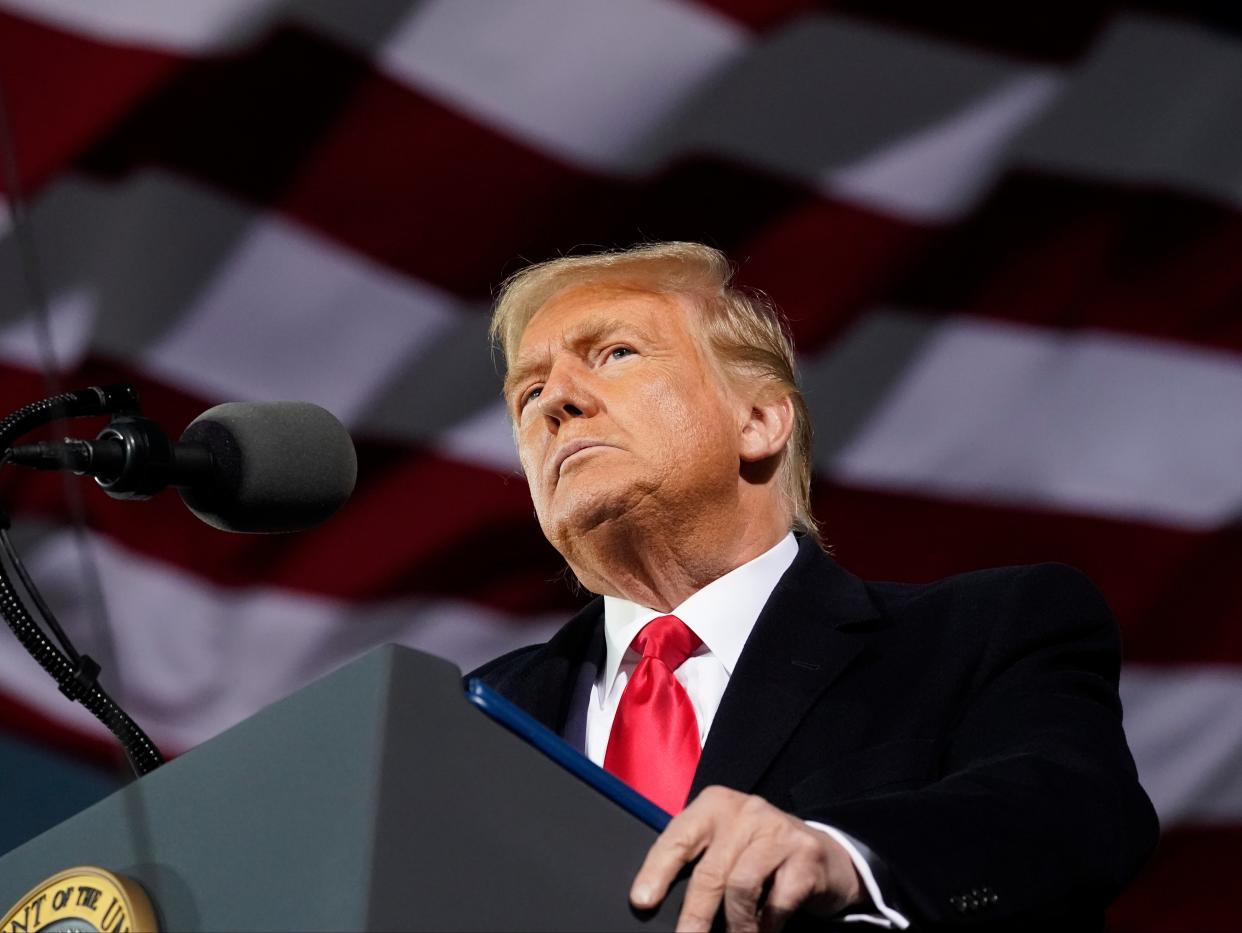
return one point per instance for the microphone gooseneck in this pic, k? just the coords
(250, 467)
(76, 674)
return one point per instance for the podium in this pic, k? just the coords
(377, 798)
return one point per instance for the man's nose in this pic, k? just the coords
(564, 396)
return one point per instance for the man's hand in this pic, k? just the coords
(747, 844)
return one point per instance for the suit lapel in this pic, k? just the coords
(800, 644)
(549, 685)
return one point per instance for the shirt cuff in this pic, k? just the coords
(883, 915)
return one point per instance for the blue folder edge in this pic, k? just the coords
(541, 737)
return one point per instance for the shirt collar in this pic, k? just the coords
(721, 614)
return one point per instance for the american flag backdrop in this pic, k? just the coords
(1010, 247)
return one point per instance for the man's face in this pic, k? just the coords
(619, 414)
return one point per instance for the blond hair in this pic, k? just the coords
(747, 335)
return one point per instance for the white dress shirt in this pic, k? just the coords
(722, 615)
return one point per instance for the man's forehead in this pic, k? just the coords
(590, 308)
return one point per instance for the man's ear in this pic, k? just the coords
(766, 429)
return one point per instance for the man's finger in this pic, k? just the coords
(745, 883)
(710, 878)
(793, 883)
(703, 896)
(682, 841)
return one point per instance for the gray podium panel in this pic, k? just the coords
(377, 798)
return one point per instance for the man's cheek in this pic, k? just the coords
(527, 457)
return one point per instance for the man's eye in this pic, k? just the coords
(619, 353)
(531, 396)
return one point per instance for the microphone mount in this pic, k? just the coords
(131, 458)
(76, 674)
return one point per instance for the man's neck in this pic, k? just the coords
(661, 570)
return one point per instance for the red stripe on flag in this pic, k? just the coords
(62, 91)
(1057, 252)
(825, 262)
(761, 15)
(1187, 887)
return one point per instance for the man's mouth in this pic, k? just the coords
(572, 449)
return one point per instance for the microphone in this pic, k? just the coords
(256, 467)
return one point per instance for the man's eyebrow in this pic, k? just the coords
(594, 331)
(579, 338)
(521, 371)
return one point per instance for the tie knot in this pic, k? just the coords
(667, 638)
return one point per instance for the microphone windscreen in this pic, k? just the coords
(279, 466)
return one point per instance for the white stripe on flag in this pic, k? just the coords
(237, 305)
(586, 81)
(933, 112)
(941, 171)
(1095, 423)
(289, 315)
(70, 325)
(1156, 102)
(210, 27)
(195, 659)
(485, 439)
(1185, 729)
(194, 28)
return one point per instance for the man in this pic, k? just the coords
(876, 752)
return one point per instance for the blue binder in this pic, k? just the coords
(541, 737)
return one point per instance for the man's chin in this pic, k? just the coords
(589, 513)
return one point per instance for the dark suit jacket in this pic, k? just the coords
(968, 731)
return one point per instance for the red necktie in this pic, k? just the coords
(654, 743)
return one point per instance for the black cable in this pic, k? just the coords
(77, 680)
(32, 592)
(76, 674)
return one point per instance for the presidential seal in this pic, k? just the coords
(82, 900)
